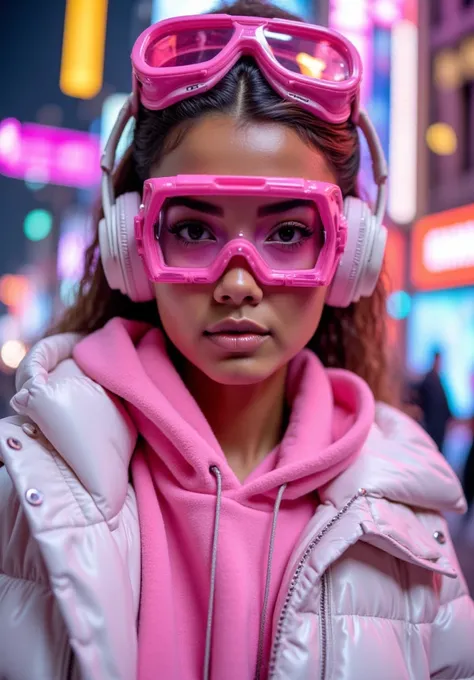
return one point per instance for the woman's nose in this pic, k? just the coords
(238, 286)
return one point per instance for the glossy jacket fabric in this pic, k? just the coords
(373, 590)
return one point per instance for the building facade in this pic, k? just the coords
(450, 70)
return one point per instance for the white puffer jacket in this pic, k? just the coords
(373, 590)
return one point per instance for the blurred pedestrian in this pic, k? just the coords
(434, 403)
(468, 476)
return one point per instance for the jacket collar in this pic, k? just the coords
(401, 464)
(89, 428)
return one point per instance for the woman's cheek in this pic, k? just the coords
(182, 308)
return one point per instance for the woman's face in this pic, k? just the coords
(287, 317)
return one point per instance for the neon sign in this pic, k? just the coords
(48, 154)
(443, 250)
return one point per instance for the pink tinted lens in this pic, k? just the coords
(196, 242)
(317, 59)
(191, 46)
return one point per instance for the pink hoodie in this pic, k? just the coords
(214, 549)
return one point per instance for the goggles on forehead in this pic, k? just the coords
(292, 232)
(183, 56)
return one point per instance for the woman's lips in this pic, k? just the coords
(237, 342)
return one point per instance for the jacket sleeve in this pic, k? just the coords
(452, 635)
(33, 637)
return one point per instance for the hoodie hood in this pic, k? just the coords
(331, 414)
(398, 462)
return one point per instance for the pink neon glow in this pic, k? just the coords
(71, 249)
(387, 12)
(350, 15)
(354, 20)
(53, 155)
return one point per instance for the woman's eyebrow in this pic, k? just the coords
(283, 206)
(194, 204)
(212, 209)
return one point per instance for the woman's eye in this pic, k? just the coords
(290, 233)
(287, 234)
(192, 231)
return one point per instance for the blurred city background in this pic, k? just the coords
(65, 72)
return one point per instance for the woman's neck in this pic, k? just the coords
(247, 420)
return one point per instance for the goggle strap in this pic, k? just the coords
(107, 161)
(379, 164)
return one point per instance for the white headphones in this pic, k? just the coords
(358, 270)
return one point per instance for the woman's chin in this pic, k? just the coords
(240, 370)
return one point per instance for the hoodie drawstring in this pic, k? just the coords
(263, 618)
(212, 588)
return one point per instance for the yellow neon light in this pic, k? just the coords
(441, 139)
(82, 61)
(311, 66)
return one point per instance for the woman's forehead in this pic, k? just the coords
(221, 145)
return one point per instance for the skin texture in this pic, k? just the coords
(250, 385)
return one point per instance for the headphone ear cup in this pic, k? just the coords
(362, 260)
(118, 250)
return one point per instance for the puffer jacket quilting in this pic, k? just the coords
(368, 594)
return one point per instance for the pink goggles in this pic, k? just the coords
(184, 56)
(290, 231)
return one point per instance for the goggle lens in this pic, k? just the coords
(313, 58)
(317, 59)
(292, 240)
(187, 47)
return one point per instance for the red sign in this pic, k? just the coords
(395, 275)
(395, 260)
(442, 253)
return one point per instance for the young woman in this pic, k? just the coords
(206, 478)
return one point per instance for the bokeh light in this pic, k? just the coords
(38, 224)
(12, 353)
(71, 248)
(399, 305)
(447, 72)
(466, 53)
(441, 139)
(14, 289)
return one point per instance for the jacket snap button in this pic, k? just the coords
(440, 537)
(14, 443)
(30, 429)
(34, 497)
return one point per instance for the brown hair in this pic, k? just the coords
(353, 338)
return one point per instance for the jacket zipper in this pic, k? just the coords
(323, 624)
(294, 582)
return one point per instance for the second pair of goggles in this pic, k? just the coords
(313, 66)
(290, 231)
